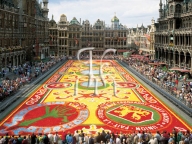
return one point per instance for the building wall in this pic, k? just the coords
(23, 32)
(142, 39)
(173, 36)
(80, 35)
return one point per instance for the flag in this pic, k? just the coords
(125, 39)
(118, 39)
(148, 37)
(76, 40)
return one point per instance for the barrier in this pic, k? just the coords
(14, 97)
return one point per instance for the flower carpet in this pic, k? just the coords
(111, 100)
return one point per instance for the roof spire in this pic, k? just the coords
(160, 2)
(52, 16)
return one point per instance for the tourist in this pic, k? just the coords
(63, 137)
(153, 140)
(91, 139)
(2, 140)
(33, 139)
(45, 139)
(118, 140)
(76, 135)
(24, 141)
(50, 136)
(69, 139)
(55, 138)
(86, 139)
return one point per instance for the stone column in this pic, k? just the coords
(173, 58)
(169, 25)
(188, 40)
(169, 56)
(161, 54)
(14, 60)
(179, 60)
(1, 64)
(5, 61)
(17, 61)
(179, 40)
(158, 53)
(185, 60)
(20, 59)
(174, 24)
(191, 63)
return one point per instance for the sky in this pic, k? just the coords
(130, 12)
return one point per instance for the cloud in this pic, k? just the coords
(129, 12)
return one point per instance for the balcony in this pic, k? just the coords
(183, 30)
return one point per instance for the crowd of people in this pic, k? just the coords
(169, 80)
(79, 137)
(24, 74)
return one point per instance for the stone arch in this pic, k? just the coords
(15, 60)
(178, 23)
(171, 9)
(182, 59)
(171, 56)
(188, 60)
(3, 62)
(177, 58)
(163, 55)
(178, 8)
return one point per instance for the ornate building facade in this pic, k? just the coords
(23, 31)
(73, 35)
(173, 36)
(142, 39)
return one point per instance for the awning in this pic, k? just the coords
(184, 70)
(121, 50)
(159, 63)
(179, 70)
(175, 68)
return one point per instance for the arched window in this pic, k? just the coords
(178, 8)
(171, 9)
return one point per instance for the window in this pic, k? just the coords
(178, 8)
(171, 9)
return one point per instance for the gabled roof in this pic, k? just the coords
(74, 21)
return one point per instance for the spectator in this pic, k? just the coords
(56, 138)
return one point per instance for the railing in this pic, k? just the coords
(165, 90)
(7, 101)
